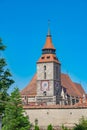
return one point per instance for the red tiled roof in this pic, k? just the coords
(48, 58)
(79, 87)
(67, 83)
(30, 89)
(48, 44)
(72, 88)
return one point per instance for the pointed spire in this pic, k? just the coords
(48, 44)
(48, 51)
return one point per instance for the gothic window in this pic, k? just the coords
(44, 71)
(25, 97)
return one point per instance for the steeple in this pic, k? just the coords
(48, 43)
(48, 51)
(48, 74)
(48, 47)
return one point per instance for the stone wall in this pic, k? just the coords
(40, 71)
(56, 116)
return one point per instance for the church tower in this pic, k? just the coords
(48, 75)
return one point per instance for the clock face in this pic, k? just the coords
(44, 86)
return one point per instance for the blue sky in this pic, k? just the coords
(23, 28)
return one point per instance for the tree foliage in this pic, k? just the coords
(50, 127)
(82, 124)
(36, 127)
(5, 79)
(64, 128)
(2, 47)
(14, 118)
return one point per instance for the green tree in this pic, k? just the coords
(36, 127)
(82, 124)
(64, 128)
(5, 79)
(14, 118)
(50, 127)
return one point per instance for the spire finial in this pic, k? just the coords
(48, 28)
(48, 23)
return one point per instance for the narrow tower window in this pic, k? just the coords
(44, 67)
(44, 75)
(44, 93)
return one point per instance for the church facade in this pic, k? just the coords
(49, 86)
